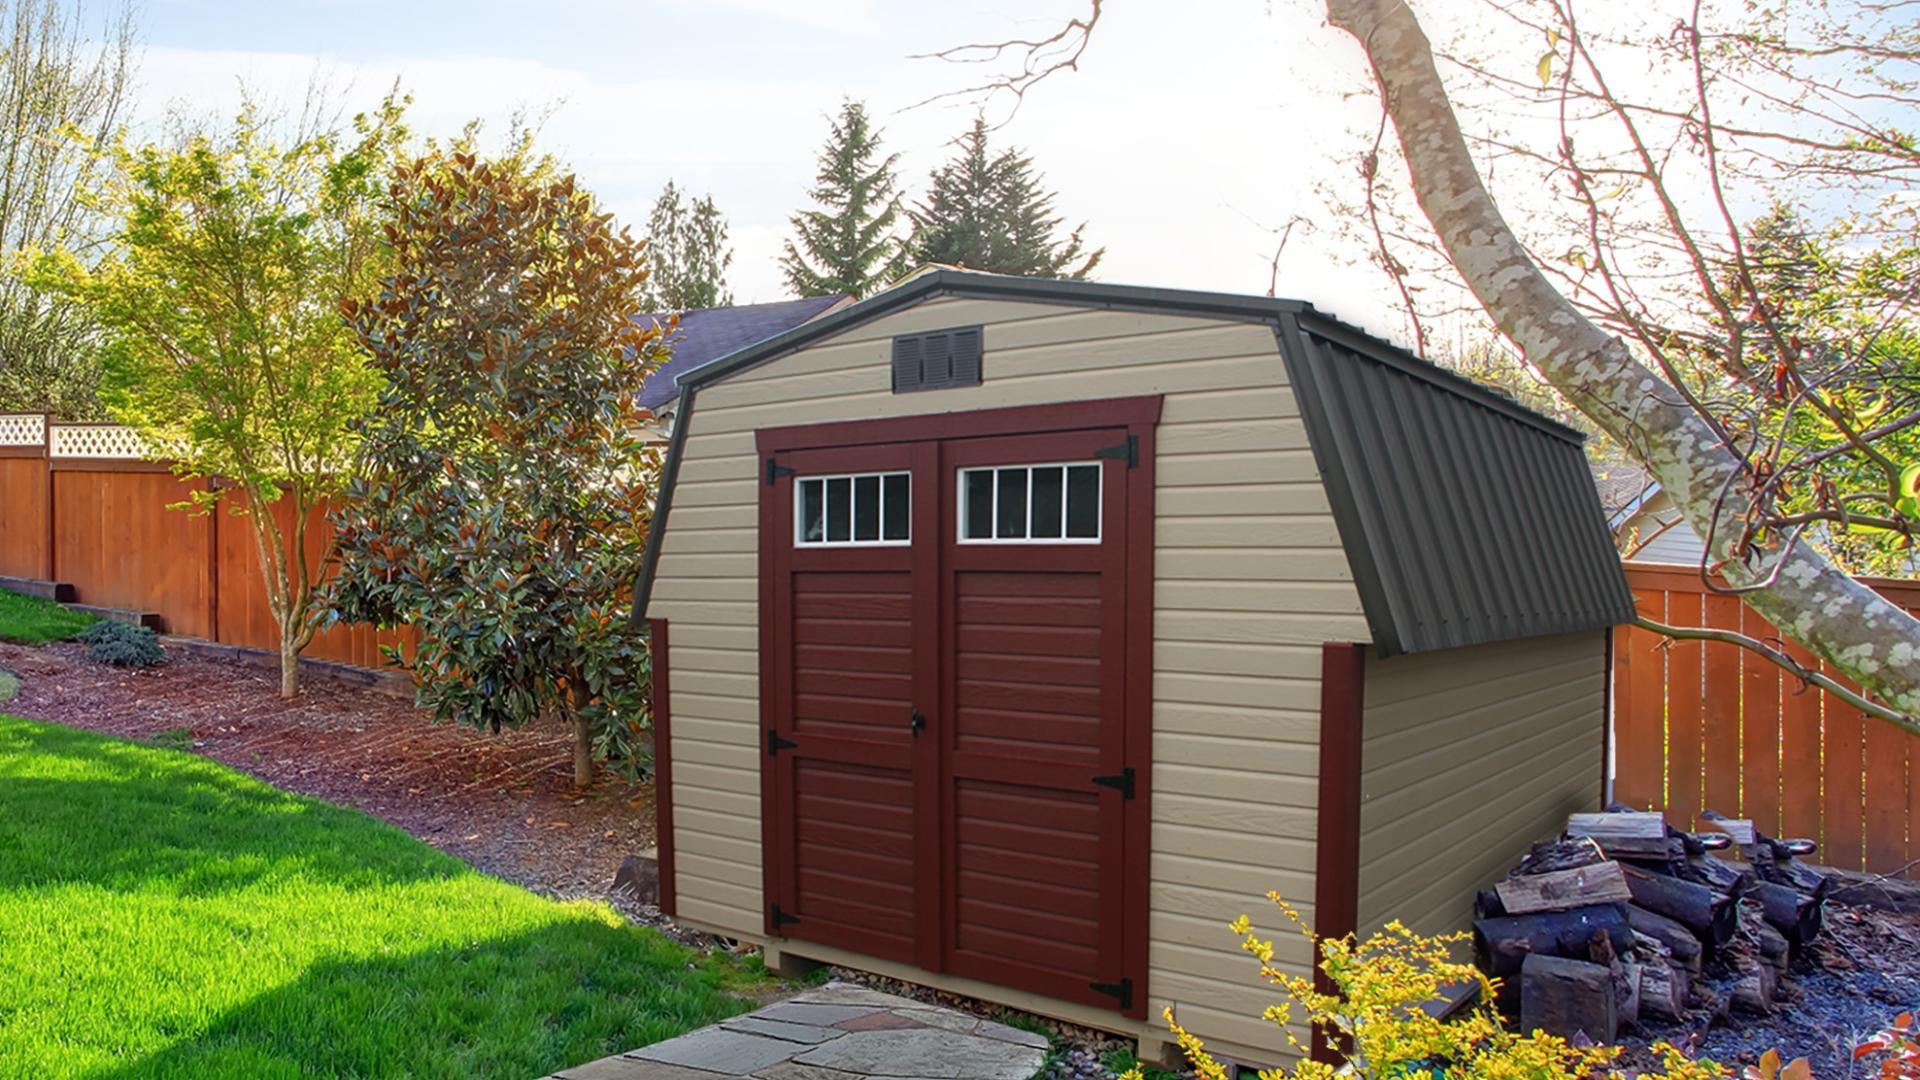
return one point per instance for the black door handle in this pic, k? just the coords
(918, 722)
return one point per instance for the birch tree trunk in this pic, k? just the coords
(1812, 601)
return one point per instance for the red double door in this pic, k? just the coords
(947, 773)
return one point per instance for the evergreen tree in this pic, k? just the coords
(987, 211)
(687, 253)
(848, 243)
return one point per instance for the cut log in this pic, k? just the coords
(1623, 835)
(1679, 941)
(1753, 991)
(1626, 993)
(1704, 869)
(1663, 992)
(1568, 998)
(1504, 943)
(1797, 916)
(1740, 829)
(1559, 890)
(1547, 856)
(1712, 916)
(1774, 948)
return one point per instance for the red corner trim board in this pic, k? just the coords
(662, 760)
(1336, 891)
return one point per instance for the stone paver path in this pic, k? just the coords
(838, 1032)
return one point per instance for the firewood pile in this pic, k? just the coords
(1623, 921)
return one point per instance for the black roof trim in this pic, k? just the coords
(662, 506)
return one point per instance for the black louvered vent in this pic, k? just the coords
(936, 360)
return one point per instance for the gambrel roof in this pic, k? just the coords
(1466, 518)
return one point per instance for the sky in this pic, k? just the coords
(1191, 132)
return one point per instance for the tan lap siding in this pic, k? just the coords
(1250, 580)
(1469, 756)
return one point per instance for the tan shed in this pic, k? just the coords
(1014, 636)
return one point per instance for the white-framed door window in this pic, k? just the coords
(853, 510)
(1050, 503)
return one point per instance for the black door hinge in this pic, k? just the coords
(1121, 782)
(775, 743)
(780, 918)
(918, 722)
(1128, 452)
(775, 471)
(1122, 990)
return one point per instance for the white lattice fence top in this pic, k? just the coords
(96, 441)
(22, 429)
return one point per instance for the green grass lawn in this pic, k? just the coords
(164, 916)
(30, 620)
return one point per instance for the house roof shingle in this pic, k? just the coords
(710, 333)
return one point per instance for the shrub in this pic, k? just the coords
(1374, 1013)
(122, 645)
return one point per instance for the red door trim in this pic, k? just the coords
(773, 534)
(1336, 878)
(662, 761)
(1012, 420)
(1141, 515)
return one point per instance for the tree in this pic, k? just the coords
(224, 347)
(1723, 479)
(54, 79)
(847, 245)
(687, 253)
(1633, 291)
(503, 490)
(988, 212)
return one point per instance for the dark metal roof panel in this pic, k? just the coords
(1462, 526)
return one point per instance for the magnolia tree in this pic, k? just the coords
(230, 253)
(503, 492)
(1710, 253)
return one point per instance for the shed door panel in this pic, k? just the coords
(843, 670)
(1033, 711)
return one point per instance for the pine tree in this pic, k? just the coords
(847, 245)
(687, 253)
(987, 211)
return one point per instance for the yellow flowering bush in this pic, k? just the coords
(1374, 1014)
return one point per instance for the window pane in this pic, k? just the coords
(812, 513)
(866, 508)
(896, 506)
(839, 508)
(1047, 507)
(979, 512)
(1011, 503)
(1083, 501)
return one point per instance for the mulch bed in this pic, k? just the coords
(504, 803)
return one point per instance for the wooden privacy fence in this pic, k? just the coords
(1709, 726)
(81, 504)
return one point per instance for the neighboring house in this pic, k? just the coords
(1646, 526)
(1012, 636)
(710, 333)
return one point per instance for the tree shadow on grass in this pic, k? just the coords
(519, 1006)
(83, 809)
